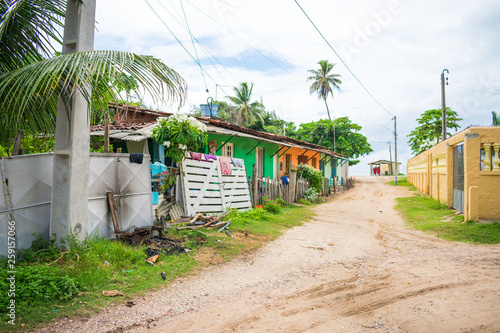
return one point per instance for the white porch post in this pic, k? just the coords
(69, 211)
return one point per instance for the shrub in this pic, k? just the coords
(314, 176)
(311, 195)
(273, 206)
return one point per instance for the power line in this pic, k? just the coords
(194, 47)
(175, 37)
(343, 62)
(257, 50)
(207, 52)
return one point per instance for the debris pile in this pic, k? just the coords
(153, 237)
(202, 221)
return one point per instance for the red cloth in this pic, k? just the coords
(195, 156)
(225, 166)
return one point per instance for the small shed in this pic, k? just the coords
(382, 168)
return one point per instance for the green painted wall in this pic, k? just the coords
(327, 166)
(242, 146)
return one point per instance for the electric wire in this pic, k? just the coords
(175, 37)
(342, 60)
(245, 42)
(194, 47)
(205, 50)
(392, 44)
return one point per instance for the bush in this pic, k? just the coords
(311, 194)
(314, 176)
(273, 206)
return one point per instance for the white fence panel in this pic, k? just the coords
(206, 190)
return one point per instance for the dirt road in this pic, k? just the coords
(355, 267)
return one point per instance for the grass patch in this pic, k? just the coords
(427, 214)
(53, 282)
(402, 181)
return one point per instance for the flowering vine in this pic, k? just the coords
(179, 134)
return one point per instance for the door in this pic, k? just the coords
(458, 178)
(288, 164)
(260, 161)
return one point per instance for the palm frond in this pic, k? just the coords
(28, 28)
(28, 95)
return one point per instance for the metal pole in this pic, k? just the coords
(395, 153)
(443, 102)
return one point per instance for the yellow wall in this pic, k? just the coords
(432, 172)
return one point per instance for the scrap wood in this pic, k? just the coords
(225, 226)
(195, 218)
(153, 258)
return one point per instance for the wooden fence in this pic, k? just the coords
(273, 188)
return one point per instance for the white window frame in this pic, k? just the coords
(227, 149)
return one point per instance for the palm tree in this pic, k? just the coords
(31, 80)
(323, 84)
(496, 119)
(247, 112)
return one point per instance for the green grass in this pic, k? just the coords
(402, 181)
(52, 284)
(427, 214)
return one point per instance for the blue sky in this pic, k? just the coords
(396, 48)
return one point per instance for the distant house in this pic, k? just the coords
(274, 155)
(386, 167)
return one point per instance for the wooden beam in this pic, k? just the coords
(312, 157)
(277, 151)
(232, 136)
(112, 208)
(284, 152)
(304, 152)
(251, 150)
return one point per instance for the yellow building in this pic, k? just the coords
(462, 172)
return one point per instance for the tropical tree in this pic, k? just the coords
(246, 111)
(32, 80)
(430, 129)
(323, 82)
(496, 119)
(350, 142)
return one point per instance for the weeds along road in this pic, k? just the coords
(354, 267)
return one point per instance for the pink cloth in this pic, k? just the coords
(195, 156)
(225, 166)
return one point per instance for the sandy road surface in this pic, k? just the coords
(353, 268)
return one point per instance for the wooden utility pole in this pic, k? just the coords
(106, 132)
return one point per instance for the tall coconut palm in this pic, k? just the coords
(496, 118)
(31, 80)
(247, 112)
(323, 83)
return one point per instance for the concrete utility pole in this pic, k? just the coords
(390, 157)
(69, 211)
(443, 102)
(396, 169)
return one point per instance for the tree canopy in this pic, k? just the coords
(349, 141)
(32, 79)
(495, 119)
(429, 131)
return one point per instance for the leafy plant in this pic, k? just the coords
(273, 206)
(311, 195)
(179, 134)
(314, 176)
